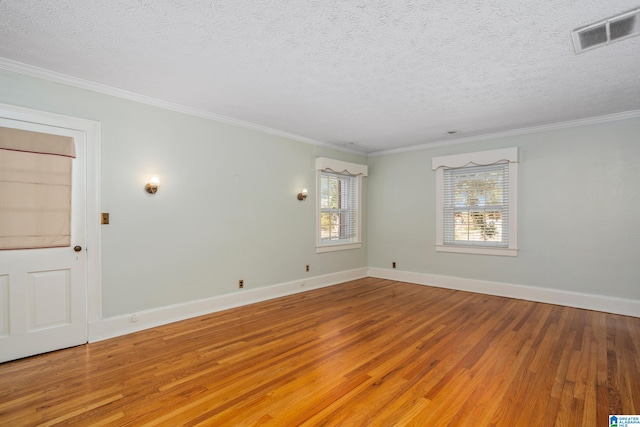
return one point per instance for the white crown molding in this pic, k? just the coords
(41, 73)
(633, 114)
(125, 324)
(607, 304)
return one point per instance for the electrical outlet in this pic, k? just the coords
(393, 264)
(240, 283)
(307, 268)
(104, 218)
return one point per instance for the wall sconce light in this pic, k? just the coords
(152, 185)
(303, 195)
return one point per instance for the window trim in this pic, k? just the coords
(353, 170)
(482, 158)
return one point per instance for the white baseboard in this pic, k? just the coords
(122, 325)
(627, 307)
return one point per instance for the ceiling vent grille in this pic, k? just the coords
(611, 30)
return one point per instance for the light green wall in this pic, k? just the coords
(579, 212)
(226, 209)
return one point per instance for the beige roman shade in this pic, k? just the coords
(36, 142)
(35, 189)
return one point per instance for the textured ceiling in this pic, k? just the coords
(368, 75)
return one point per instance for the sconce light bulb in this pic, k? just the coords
(152, 186)
(302, 195)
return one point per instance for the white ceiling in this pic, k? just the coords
(369, 75)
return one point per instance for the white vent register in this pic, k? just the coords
(611, 30)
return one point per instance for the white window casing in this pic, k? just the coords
(338, 204)
(497, 166)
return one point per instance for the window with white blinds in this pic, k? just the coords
(339, 204)
(476, 206)
(476, 202)
(338, 208)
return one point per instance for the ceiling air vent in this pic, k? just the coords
(608, 31)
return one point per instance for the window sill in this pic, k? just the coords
(338, 247)
(477, 250)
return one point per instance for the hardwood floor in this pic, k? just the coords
(370, 352)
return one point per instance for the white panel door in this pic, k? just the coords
(43, 292)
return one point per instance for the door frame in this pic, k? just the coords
(91, 130)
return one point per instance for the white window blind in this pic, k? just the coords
(476, 206)
(35, 189)
(338, 208)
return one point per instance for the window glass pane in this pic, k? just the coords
(329, 225)
(478, 226)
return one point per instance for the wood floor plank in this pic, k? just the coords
(369, 352)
